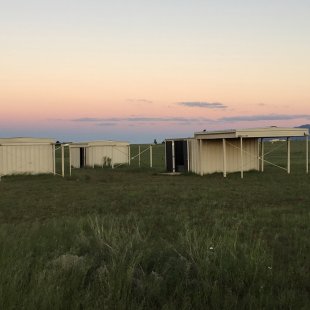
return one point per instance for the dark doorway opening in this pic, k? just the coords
(82, 157)
(178, 148)
(180, 151)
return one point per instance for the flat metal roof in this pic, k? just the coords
(99, 143)
(266, 132)
(26, 140)
(178, 139)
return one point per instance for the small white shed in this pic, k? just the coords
(27, 155)
(228, 151)
(99, 153)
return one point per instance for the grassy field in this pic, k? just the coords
(131, 238)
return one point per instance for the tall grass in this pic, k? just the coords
(133, 239)
(116, 263)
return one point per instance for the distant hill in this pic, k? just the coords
(304, 126)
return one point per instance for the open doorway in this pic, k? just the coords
(177, 155)
(82, 157)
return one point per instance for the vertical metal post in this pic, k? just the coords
(200, 157)
(54, 159)
(258, 153)
(139, 149)
(92, 155)
(62, 161)
(129, 155)
(151, 156)
(187, 155)
(288, 155)
(173, 157)
(262, 155)
(307, 155)
(224, 158)
(241, 157)
(70, 160)
(165, 155)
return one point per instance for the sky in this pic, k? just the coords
(141, 70)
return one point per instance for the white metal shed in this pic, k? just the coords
(233, 150)
(27, 155)
(99, 153)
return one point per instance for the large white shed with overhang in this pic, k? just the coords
(231, 150)
(99, 153)
(27, 156)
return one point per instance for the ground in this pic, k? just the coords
(131, 238)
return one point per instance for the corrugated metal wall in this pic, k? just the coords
(211, 158)
(193, 155)
(32, 159)
(98, 155)
(75, 157)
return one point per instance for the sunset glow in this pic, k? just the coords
(139, 70)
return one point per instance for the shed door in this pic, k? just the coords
(180, 151)
(169, 164)
(185, 156)
(82, 157)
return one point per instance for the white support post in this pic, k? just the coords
(288, 155)
(54, 160)
(197, 157)
(262, 155)
(241, 157)
(62, 161)
(258, 153)
(70, 160)
(165, 155)
(187, 145)
(92, 156)
(151, 156)
(139, 156)
(200, 157)
(224, 158)
(307, 155)
(129, 155)
(112, 159)
(173, 158)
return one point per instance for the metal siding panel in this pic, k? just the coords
(212, 155)
(194, 156)
(89, 157)
(2, 162)
(233, 155)
(35, 163)
(249, 155)
(31, 159)
(8, 160)
(121, 154)
(94, 156)
(100, 153)
(75, 157)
